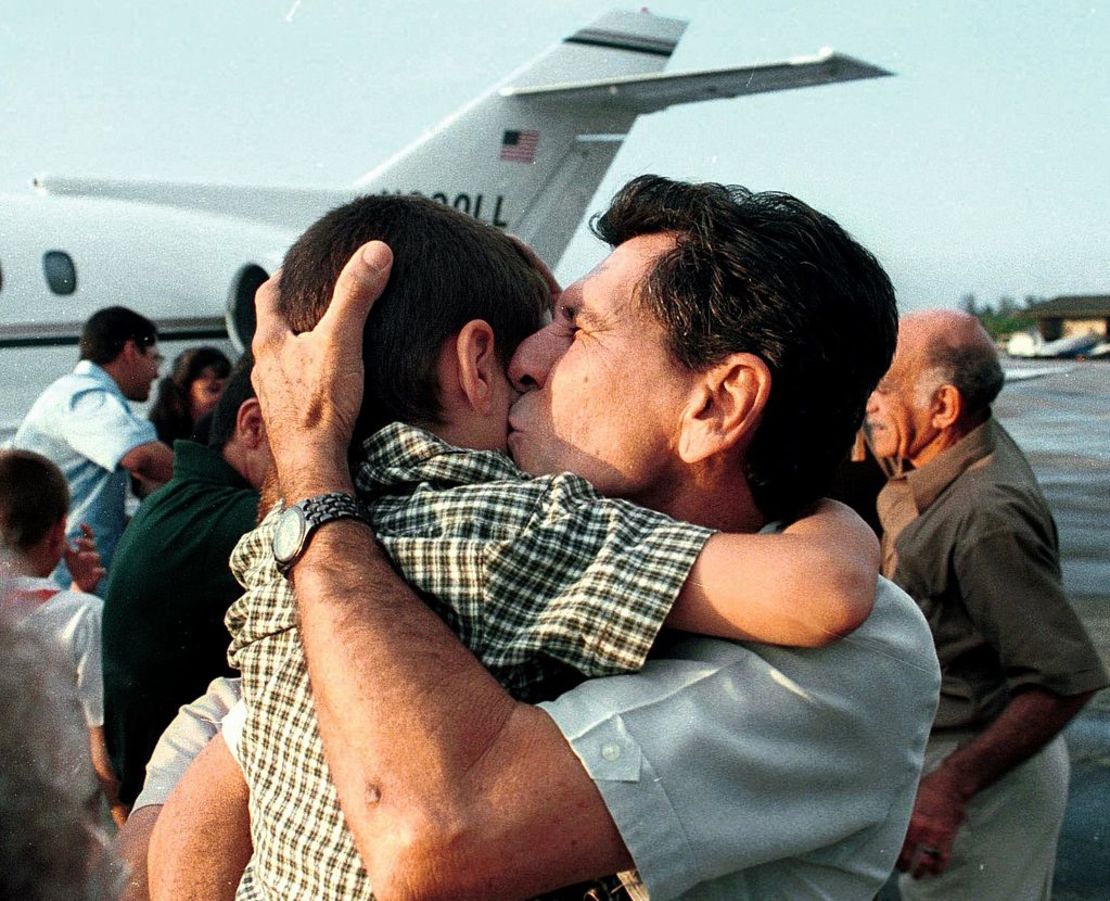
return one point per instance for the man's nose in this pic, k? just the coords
(872, 403)
(533, 360)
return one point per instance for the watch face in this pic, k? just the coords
(289, 535)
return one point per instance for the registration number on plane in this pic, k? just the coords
(474, 204)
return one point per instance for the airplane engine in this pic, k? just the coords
(240, 316)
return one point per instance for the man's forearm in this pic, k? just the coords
(1029, 722)
(200, 842)
(450, 787)
(150, 463)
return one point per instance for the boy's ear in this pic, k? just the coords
(56, 539)
(725, 407)
(477, 365)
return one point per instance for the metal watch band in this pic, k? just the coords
(321, 509)
(336, 505)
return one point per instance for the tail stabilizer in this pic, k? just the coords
(289, 209)
(642, 94)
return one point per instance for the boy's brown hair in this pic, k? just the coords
(33, 497)
(448, 269)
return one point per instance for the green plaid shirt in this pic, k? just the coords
(538, 577)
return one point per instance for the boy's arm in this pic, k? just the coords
(210, 835)
(806, 586)
(130, 847)
(106, 775)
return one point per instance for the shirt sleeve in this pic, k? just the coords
(588, 582)
(1009, 578)
(100, 426)
(725, 758)
(231, 728)
(186, 736)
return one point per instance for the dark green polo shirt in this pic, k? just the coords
(167, 591)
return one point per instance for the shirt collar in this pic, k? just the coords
(33, 583)
(930, 480)
(198, 461)
(24, 594)
(401, 454)
(93, 371)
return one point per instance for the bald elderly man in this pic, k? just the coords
(968, 535)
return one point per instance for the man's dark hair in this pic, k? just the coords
(237, 390)
(448, 269)
(33, 497)
(768, 275)
(108, 330)
(973, 369)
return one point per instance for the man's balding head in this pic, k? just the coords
(955, 350)
(940, 386)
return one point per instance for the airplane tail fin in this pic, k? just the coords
(530, 154)
(526, 160)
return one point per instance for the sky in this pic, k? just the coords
(983, 167)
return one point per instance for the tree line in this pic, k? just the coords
(1004, 317)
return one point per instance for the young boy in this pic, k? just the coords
(544, 580)
(34, 501)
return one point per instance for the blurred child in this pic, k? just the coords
(34, 500)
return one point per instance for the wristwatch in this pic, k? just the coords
(296, 524)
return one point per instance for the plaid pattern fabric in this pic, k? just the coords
(538, 577)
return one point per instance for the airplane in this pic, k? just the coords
(1032, 345)
(527, 156)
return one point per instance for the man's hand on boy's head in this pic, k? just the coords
(83, 561)
(310, 385)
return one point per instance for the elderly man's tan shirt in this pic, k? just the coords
(969, 536)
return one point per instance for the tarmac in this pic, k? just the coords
(1083, 856)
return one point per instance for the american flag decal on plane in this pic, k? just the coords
(519, 146)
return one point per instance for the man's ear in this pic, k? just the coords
(725, 407)
(947, 407)
(129, 352)
(250, 430)
(477, 365)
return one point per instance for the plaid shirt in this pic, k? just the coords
(538, 577)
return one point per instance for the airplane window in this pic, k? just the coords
(60, 274)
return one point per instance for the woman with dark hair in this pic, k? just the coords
(189, 393)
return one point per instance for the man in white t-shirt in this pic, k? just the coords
(34, 499)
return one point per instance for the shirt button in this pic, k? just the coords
(610, 751)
